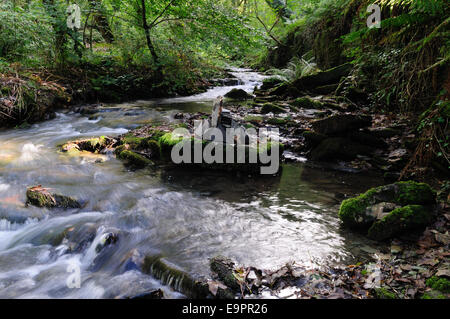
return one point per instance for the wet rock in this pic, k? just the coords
(384, 132)
(272, 108)
(176, 278)
(357, 212)
(135, 160)
(238, 94)
(40, 197)
(224, 268)
(270, 83)
(93, 145)
(155, 294)
(341, 123)
(334, 148)
(312, 139)
(106, 240)
(307, 103)
(400, 220)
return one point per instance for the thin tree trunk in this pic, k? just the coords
(147, 34)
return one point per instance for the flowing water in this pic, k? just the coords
(187, 217)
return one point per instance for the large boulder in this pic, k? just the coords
(341, 123)
(334, 148)
(363, 211)
(238, 94)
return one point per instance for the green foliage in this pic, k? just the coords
(438, 283)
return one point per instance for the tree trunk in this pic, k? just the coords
(100, 20)
(147, 35)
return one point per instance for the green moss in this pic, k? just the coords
(402, 219)
(439, 283)
(277, 121)
(414, 193)
(353, 211)
(134, 159)
(253, 118)
(174, 277)
(383, 293)
(133, 141)
(433, 296)
(272, 108)
(119, 149)
(41, 198)
(307, 103)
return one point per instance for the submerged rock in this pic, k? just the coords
(40, 197)
(364, 212)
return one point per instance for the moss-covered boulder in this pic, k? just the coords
(272, 108)
(358, 212)
(40, 197)
(400, 220)
(93, 145)
(238, 94)
(133, 159)
(271, 82)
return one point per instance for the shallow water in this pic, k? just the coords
(187, 217)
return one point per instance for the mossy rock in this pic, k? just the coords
(312, 139)
(133, 141)
(40, 197)
(238, 94)
(272, 108)
(307, 103)
(400, 220)
(224, 268)
(93, 145)
(254, 119)
(277, 121)
(180, 280)
(356, 212)
(167, 142)
(270, 83)
(134, 159)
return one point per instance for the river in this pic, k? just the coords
(185, 216)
